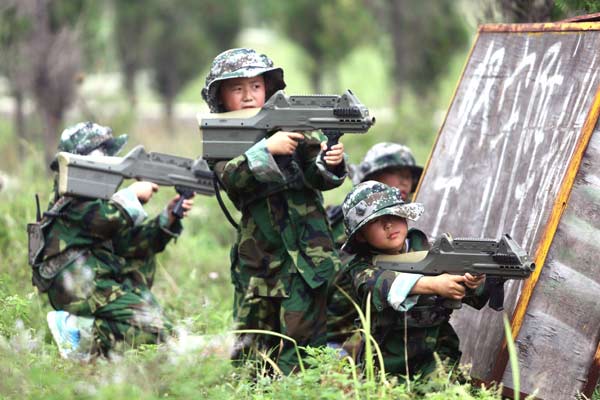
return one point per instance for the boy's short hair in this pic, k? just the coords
(240, 63)
(370, 200)
(85, 137)
(383, 156)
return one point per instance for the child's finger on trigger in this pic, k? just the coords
(297, 136)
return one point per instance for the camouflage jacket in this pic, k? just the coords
(357, 278)
(428, 330)
(283, 228)
(113, 231)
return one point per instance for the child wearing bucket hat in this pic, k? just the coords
(385, 162)
(284, 255)
(95, 259)
(375, 217)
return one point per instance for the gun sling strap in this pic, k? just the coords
(217, 184)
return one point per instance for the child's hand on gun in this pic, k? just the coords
(144, 190)
(284, 143)
(186, 205)
(335, 155)
(473, 281)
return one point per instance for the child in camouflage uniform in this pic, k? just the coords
(375, 219)
(389, 163)
(284, 256)
(96, 259)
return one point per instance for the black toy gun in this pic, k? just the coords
(227, 135)
(101, 176)
(499, 260)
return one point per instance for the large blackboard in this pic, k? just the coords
(515, 126)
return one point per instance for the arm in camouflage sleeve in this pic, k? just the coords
(148, 238)
(318, 175)
(104, 219)
(248, 173)
(367, 279)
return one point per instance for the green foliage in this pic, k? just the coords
(570, 7)
(328, 32)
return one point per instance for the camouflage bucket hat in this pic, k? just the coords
(386, 155)
(369, 200)
(85, 137)
(240, 63)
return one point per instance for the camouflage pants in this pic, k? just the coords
(301, 316)
(126, 313)
(421, 346)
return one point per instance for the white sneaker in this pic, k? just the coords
(66, 334)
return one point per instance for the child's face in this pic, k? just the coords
(239, 93)
(400, 178)
(386, 233)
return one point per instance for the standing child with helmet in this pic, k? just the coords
(375, 219)
(284, 255)
(96, 258)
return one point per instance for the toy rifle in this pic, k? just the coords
(101, 176)
(499, 260)
(227, 135)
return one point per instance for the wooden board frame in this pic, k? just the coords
(560, 203)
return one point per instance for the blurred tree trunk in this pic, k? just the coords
(55, 60)
(424, 36)
(13, 63)
(400, 45)
(522, 11)
(19, 120)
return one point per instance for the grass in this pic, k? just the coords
(193, 286)
(192, 280)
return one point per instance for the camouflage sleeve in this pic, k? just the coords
(262, 164)
(318, 175)
(367, 278)
(103, 219)
(129, 203)
(241, 174)
(148, 238)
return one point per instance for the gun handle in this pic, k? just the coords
(495, 286)
(333, 137)
(183, 194)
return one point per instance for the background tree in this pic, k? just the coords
(185, 36)
(421, 50)
(326, 30)
(522, 11)
(54, 56)
(131, 31)
(577, 7)
(13, 30)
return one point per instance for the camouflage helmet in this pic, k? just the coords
(240, 63)
(383, 156)
(85, 137)
(369, 200)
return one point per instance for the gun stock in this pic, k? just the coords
(227, 135)
(499, 260)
